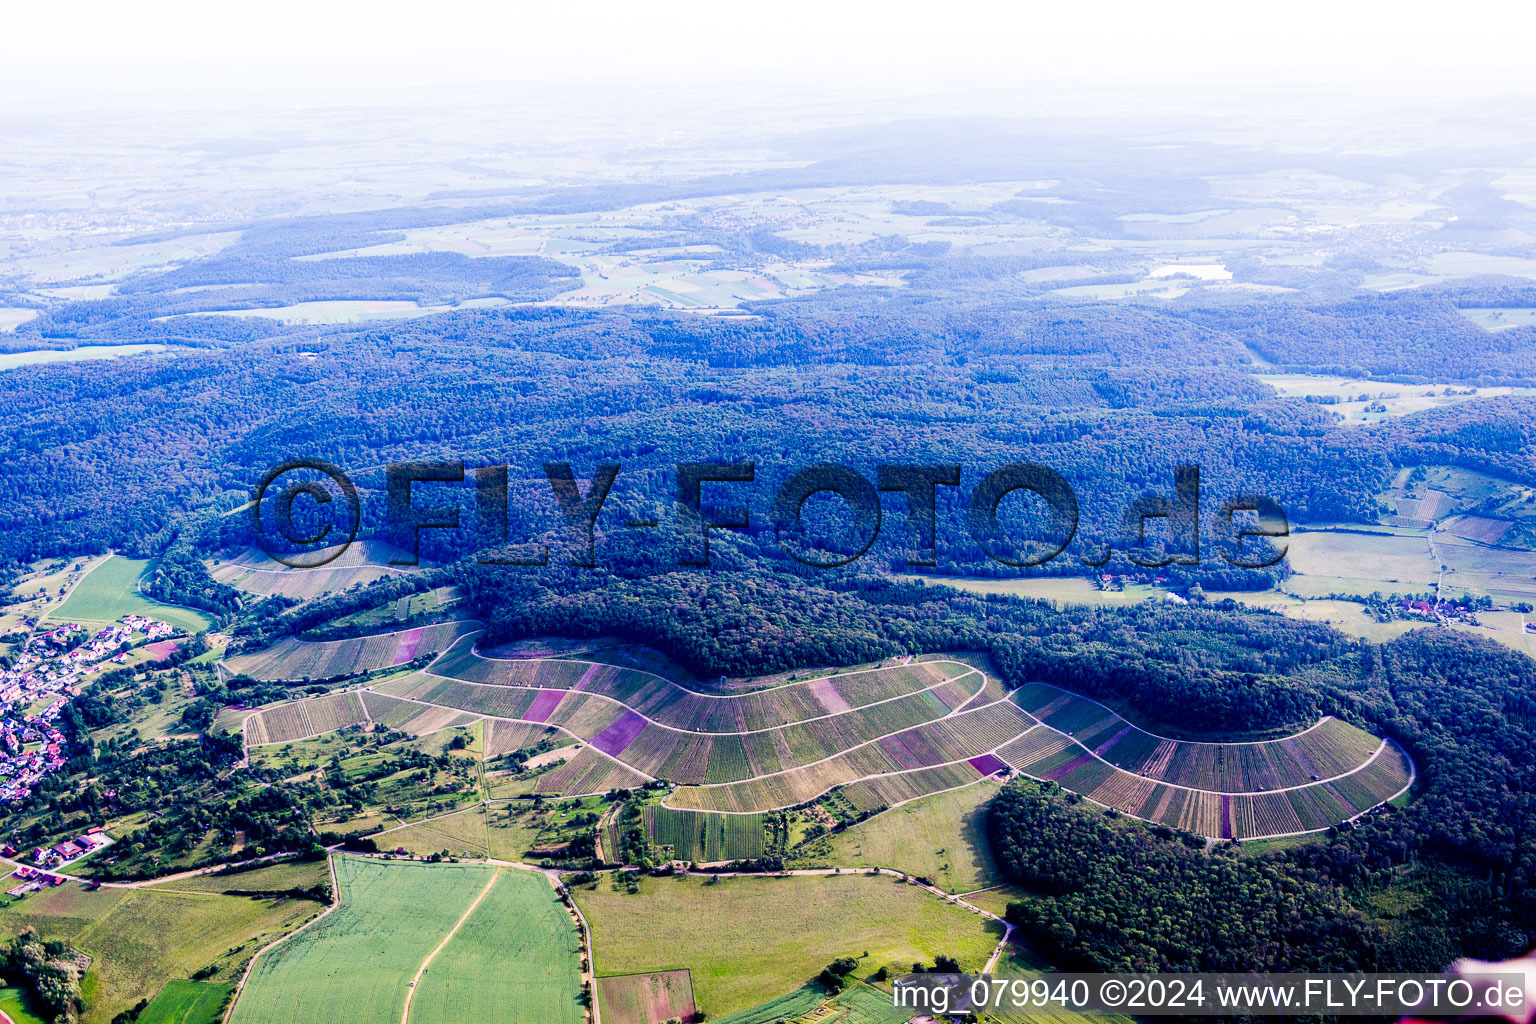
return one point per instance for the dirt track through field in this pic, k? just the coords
(410, 991)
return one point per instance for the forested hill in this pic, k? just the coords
(118, 453)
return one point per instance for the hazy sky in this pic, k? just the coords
(105, 52)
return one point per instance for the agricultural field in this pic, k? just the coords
(350, 311)
(1319, 777)
(295, 660)
(1360, 563)
(355, 965)
(501, 938)
(1500, 318)
(255, 573)
(302, 719)
(499, 831)
(770, 936)
(16, 1004)
(1507, 628)
(1350, 617)
(646, 998)
(1508, 575)
(816, 720)
(12, 317)
(437, 603)
(669, 704)
(110, 590)
(942, 838)
(187, 1002)
(138, 938)
(519, 950)
(287, 874)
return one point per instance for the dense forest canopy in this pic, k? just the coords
(116, 454)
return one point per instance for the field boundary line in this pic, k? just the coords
(234, 997)
(1412, 775)
(861, 778)
(1007, 698)
(694, 732)
(1217, 792)
(698, 693)
(410, 990)
(586, 743)
(369, 636)
(720, 696)
(859, 746)
(589, 976)
(908, 771)
(1171, 739)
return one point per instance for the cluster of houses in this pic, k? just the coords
(32, 881)
(36, 688)
(54, 858)
(1445, 611)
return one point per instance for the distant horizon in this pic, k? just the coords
(173, 54)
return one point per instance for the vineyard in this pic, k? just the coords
(296, 660)
(879, 736)
(1328, 749)
(705, 838)
(667, 703)
(255, 572)
(304, 718)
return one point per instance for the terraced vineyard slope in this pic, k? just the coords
(879, 736)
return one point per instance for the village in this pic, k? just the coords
(37, 687)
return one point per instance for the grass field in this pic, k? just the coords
(1505, 574)
(11, 360)
(782, 1008)
(288, 874)
(995, 899)
(1067, 590)
(941, 837)
(1346, 616)
(769, 936)
(1360, 563)
(40, 587)
(16, 1004)
(1371, 401)
(110, 591)
(355, 965)
(1500, 318)
(138, 938)
(187, 1002)
(516, 957)
(500, 832)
